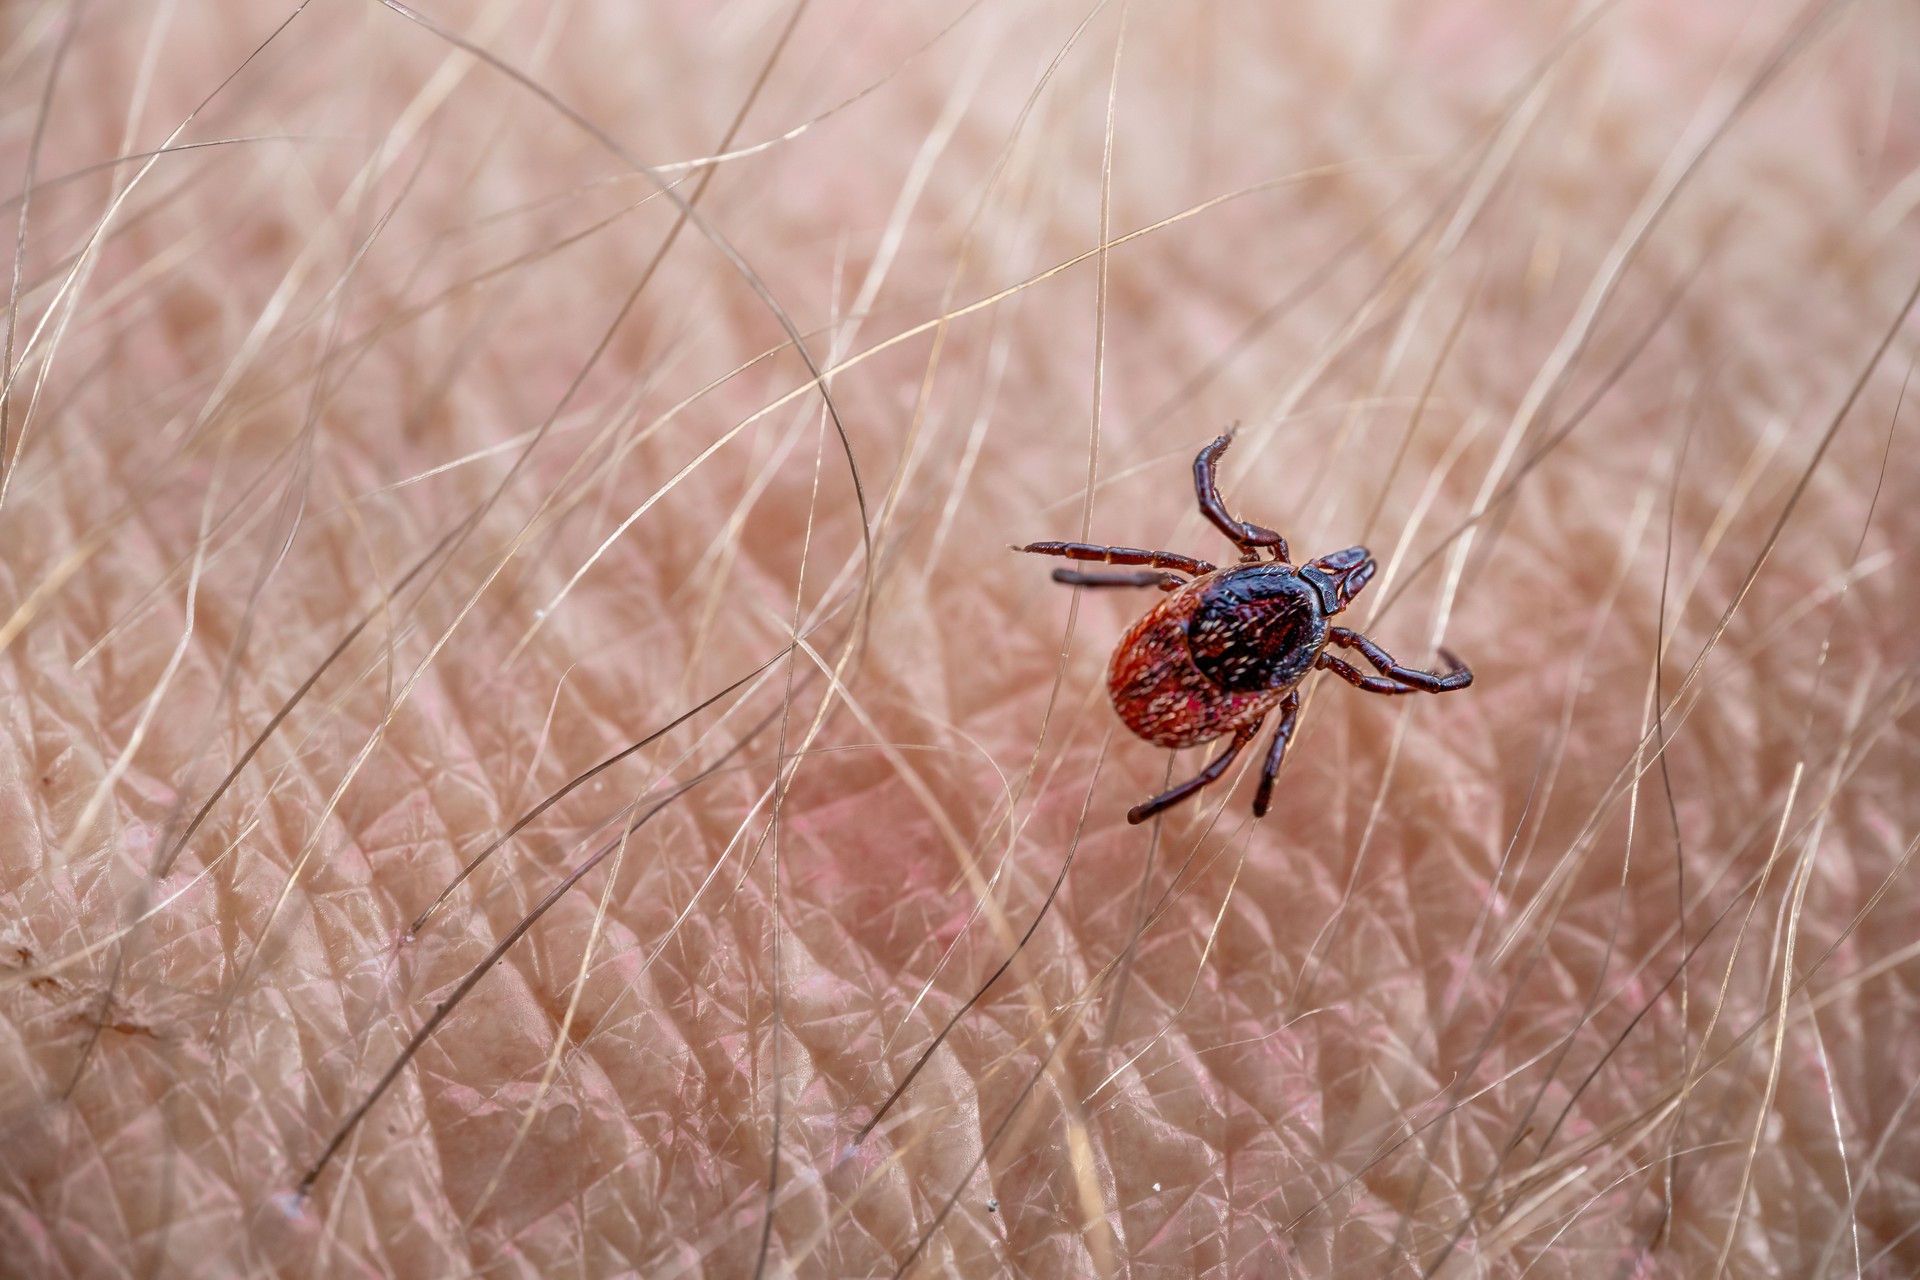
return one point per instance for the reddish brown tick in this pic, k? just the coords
(1230, 645)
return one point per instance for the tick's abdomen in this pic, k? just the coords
(1160, 694)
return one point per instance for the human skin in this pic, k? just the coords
(412, 384)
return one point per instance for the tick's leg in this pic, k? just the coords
(1360, 679)
(1207, 490)
(1289, 713)
(1215, 767)
(1456, 676)
(1118, 555)
(1144, 578)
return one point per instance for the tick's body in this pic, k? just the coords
(1229, 645)
(1219, 651)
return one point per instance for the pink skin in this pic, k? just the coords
(1418, 1018)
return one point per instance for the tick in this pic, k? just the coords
(1228, 647)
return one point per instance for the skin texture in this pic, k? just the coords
(398, 448)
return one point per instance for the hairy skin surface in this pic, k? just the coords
(397, 375)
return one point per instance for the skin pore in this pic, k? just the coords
(406, 412)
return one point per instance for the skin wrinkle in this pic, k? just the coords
(1491, 1047)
